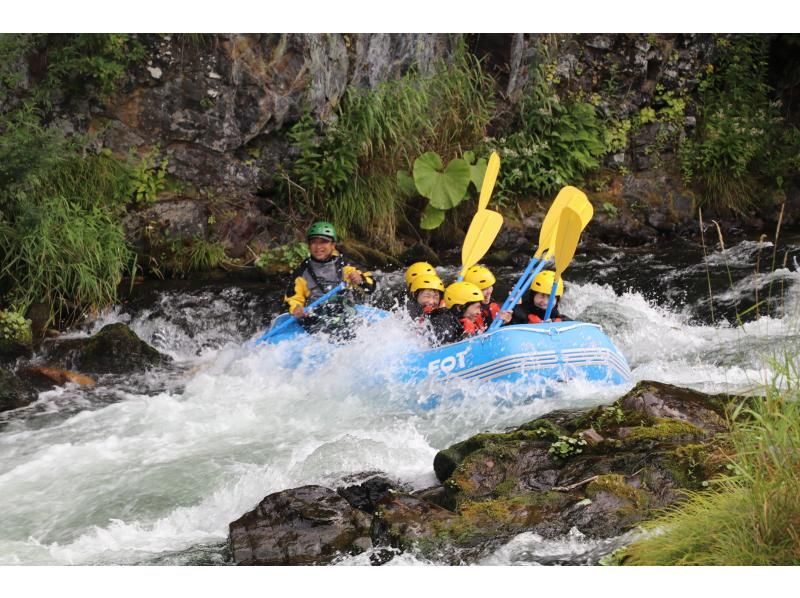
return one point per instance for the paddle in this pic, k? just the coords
(283, 325)
(481, 234)
(489, 178)
(568, 195)
(569, 232)
(485, 224)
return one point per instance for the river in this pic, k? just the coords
(150, 468)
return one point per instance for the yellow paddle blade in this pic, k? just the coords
(492, 168)
(547, 235)
(481, 234)
(569, 232)
(582, 207)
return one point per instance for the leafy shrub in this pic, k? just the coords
(14, 326)
(742, 142)
(148, 176)
(286, 256)
(566, 446)
(553, 145)
(347, 169)
(444, 188)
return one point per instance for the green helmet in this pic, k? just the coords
(321, 229)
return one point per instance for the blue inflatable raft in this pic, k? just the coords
(552, 352)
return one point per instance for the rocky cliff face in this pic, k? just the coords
(220, 109)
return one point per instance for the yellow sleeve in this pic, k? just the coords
(300, 295)
(369, 283)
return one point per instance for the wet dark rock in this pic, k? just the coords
(365, 496)
(12, 349)
(656, 399)
(114, 350)
(402, 520)
(310, 525)
(14, 392)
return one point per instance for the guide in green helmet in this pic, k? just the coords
(324, 269)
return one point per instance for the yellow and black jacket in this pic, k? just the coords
(312, 279)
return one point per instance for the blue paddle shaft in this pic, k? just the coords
(523, 282)
(276, 329)
(551, 300)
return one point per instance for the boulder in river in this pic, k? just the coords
(305, 526)
(14, 392)
(600, 471)
(114, 350)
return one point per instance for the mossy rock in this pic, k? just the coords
(14, 392)
(114, 350)
(692, 465)
(479, 522)
(446, 461)
(366, 255)
(659, 400)
(615, 484)
(663, 431)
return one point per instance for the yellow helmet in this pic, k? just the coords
(480, 276)
(461, 293)
(427, 281)
(543, 283)
(417, 269)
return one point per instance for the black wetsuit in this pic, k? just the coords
(527, 313)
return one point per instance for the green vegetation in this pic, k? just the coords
(283, 257)
(14, 326)
(744, 148)
(554, 142)
(444, 188)
(61, 241)
(148, 176)
(177, 257)
(751, 516)
(566, 446)
(346, 170)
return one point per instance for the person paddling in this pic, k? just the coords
(324, 269)
(457, 320)
(483, 278)
(532, 308)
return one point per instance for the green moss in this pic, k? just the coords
(544, 429)
(663, 430)
(506, 487)
(481, 520)
(615, 484)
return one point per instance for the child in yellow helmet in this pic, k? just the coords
(532, 308)
(483, 278)
(426, 291)
(416, 272)
(458, 319)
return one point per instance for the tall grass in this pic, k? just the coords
(347, 171)
(752, 515)
(60, 242)
(63, 255)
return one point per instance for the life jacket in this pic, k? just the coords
(488, 314)
(471, 328)
(534, 319)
